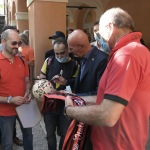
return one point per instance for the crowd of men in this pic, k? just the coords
(111, 75)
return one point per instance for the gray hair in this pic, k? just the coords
(24, 38)
(26, 32)
(4, 35)
(119, 18)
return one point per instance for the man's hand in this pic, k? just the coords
(68, 101)
(18, 100)
(59, 79)
(27, 97)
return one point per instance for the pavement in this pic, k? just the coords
(39, 137)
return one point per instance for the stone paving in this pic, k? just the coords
(39, 137)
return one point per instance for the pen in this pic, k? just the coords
(60, 74)
(38, 78)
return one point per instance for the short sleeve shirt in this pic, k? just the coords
(126, 80)
(12, 82)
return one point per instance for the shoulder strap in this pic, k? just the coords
(19, 55)
(21, 59)
(48, 63)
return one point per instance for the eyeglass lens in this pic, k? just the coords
(15, 43)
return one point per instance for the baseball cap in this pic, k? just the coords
(57, 34)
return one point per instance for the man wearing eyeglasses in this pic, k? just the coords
(14, 89)
(16, 140)
(120, 117)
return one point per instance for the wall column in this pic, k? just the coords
(45, 17)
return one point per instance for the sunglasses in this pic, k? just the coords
(16, 43)
(13, 43)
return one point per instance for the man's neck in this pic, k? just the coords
(8, 56)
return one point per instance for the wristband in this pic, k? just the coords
(9, 99)
(66, 109)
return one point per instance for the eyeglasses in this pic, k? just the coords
(13, 43)
(16, 43)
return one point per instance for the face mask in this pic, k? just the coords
(103, 43)
(62, 60)
(96, 37)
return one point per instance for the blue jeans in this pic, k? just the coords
(52, 119)
(6, 128)
(7, 124)
(27, 137)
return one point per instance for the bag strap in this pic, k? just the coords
(49, 60)
(19, 55)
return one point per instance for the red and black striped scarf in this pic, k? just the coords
(78, 133)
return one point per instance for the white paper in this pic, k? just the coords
(29, 114)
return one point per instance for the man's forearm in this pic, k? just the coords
(3, 99)
(107, 113)
(27, 84)
(86, 114)
(89, 100)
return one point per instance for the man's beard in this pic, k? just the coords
(13, 51)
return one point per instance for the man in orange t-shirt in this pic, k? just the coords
(27, 53)
(14, 89)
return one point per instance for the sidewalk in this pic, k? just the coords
(39, 138)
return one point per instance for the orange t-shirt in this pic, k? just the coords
(12, 82)
(27, 53)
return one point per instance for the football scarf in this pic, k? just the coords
(78, 133)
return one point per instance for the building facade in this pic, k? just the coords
(44, 17)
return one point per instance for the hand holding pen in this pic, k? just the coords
(57, 76)
(59, 79)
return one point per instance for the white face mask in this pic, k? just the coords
(63, 59)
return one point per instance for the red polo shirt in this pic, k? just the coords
(12, 82)
(126, 80)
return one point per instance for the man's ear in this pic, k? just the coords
(110, 25)
(3, 40)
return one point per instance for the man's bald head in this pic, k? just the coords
(9, 33)
(78, 43)
(10, 42)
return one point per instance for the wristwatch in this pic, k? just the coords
(9, 99)
(65, 108)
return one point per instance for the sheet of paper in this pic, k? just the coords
(29, 114)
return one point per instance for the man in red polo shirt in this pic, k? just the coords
(14, 89)
(120, 117)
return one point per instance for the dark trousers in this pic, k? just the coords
(51, 120)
